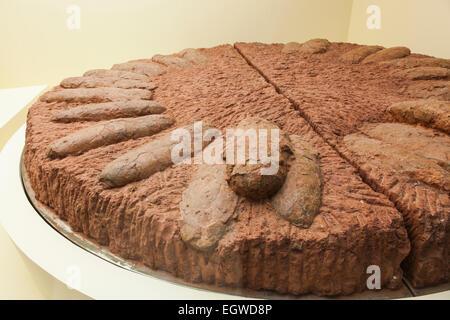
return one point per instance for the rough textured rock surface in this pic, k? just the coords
(388, 54)
(355, 227)
(106, 133)
(299, 199)
(255, 179)
(206, 207)
(429, 113)
(91, 95)
(359, 54)
(93, 82)
(422, 73)
(429, 89)
(411, 165)
(337, 100)
(415, 62)
(108, 110)
(315, 46)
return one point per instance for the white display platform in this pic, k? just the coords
(63, 259)
(73, 265)
(14, 99)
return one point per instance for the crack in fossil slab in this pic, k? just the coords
(411, 165)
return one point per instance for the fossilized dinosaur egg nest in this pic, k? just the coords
(364, 174)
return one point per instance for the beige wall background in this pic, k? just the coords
(421, 25)
(38, 48)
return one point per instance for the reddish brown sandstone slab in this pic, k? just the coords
(354, 228)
